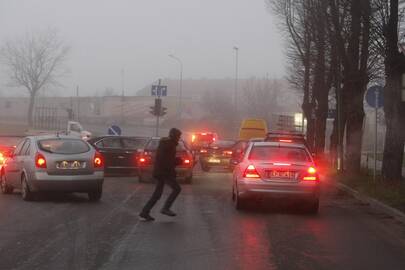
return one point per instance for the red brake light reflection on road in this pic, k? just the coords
(251, 172)
(40, 161)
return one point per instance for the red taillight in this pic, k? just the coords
(310, 175)
(228, 153)
(193, 138)
(203, 151)
(187, 161)
(40, 161)
(98, 160)
(1, 158)
(251, 172)
(285, 140)
(142, 160)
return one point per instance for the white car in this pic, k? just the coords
(277, 170)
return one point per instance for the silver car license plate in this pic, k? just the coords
(71, 165)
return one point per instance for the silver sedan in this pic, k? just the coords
(277, 170)
(53, 163)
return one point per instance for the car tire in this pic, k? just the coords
(5, 188)
(188, 179)
(95, 195)
(205, 167)
(313, 207)
(26, 193)
(239, 203)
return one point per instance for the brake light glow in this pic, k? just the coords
(285, 140)
(229, 153)
(98, 160)
(142, 160)
(193, 137)
(281, 164)
(40, 161)
(203, 151)
(251, 172)
(1, 158)
(213, 139)
(311, 170)
(311, 175)
(187, 161)
(204, 134)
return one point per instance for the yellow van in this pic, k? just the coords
(252, 128)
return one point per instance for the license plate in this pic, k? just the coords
(70, 165)
(214, 160)
(281, 174)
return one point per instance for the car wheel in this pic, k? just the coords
(313, 206)
(95, 195)
(205, 168)
(26, 193)
(188, 179)
(5, 188)
(239, 202)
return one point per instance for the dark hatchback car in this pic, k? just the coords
(217, 154)
(121, 153)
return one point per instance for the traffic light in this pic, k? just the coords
(163, 111)
(157, 109)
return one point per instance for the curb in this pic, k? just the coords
(398, 215)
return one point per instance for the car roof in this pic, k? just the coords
(52, 136)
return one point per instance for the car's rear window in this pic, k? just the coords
(205, 137)
(134, 143)
(275, 153)
(153, 145)
(63, 146)
(222, 144)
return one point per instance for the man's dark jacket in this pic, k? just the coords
(165, 160)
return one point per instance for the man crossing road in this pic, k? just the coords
(164, 172)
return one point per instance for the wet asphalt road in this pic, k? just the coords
(68, 232)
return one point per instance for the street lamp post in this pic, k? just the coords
(122, 95)
(180, 87)
(236, 77)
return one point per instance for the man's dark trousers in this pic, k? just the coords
(157, 194)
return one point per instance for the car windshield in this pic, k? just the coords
(275, 153)
(63, 146)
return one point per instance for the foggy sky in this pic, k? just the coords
(107, 36)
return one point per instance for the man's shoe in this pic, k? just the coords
(168, 212)
(145, 217)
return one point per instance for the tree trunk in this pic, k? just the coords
(354, 130)
(395, 134)
(394, 107)
(30, 115)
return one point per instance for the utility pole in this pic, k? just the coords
(158, 101)
(78, 103)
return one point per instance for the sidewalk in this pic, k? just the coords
(381, 196)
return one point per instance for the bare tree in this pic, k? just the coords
(260, 98)
(34, 61)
